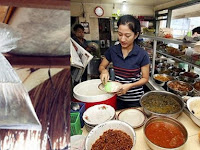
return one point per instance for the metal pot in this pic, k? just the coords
(167, 120)
(177, 91)
(196, 86)
(164, 76)
(188, 77)
(163, 93)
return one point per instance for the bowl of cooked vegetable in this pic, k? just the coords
(162, 103)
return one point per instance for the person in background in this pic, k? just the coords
(196, 31)
(130, 63)
(79, 37)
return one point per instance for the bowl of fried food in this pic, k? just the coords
(110, 135)
(162, 79)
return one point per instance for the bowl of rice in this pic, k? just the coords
(110, 87)
(193, 105)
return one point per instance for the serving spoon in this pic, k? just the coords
(75, 106)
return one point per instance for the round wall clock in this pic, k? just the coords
(99, 11)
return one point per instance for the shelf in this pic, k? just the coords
(166, 40)
(151, 84)
(179, 59)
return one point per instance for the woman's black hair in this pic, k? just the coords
(132, 22)
(78, 26)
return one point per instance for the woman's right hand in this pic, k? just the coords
(104, 76)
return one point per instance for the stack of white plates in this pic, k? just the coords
(98, 114)
(132, 116)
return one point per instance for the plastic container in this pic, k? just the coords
(89, 93)
(81, 111)
(75, 124)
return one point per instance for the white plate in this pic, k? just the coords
(98, 114)
(110, 87)
(132, 116)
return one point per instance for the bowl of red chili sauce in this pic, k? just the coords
(165, 133)
(111, 135)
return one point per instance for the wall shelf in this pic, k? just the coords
(166, 40)
(151, 84)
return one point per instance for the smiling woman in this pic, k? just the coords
(130, 63)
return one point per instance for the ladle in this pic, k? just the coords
(75, 106)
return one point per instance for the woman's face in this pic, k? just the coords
(126, 36)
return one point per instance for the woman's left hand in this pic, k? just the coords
(124, 88)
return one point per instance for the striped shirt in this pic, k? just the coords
(128, 70)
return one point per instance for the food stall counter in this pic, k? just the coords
(193, 130)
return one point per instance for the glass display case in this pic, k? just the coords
(177, 56)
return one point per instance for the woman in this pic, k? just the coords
(130, 63)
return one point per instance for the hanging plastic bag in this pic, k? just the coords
(17, 111)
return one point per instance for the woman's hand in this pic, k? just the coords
(124, 88)
(104, 76)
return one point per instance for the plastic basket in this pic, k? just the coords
(75, 124)
(81, 111)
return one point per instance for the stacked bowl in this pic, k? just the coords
(98, 114)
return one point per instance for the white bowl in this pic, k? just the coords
(98, 114)
(89, 92)
(192, 107)
(110, 87)
(97, 131)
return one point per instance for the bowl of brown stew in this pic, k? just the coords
(110, 135)
(162, 103)
(176, 71)
(196, 86)
(165, 133)
(188, 76)
(179, 87)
